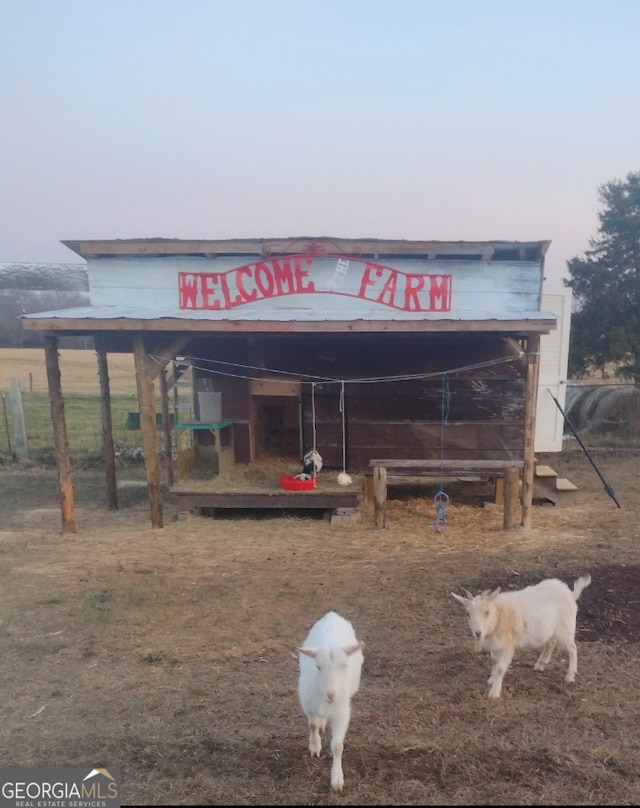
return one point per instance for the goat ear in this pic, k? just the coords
(468, 594)
(310, 652)
(351, 649)
(495, 593)
(460, 599)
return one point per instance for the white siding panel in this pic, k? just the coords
(499, 290)
(554, 359)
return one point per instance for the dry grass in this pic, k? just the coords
(78, 370)
(168, 652)
(81, 392)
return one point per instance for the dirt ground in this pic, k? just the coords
(168, 653)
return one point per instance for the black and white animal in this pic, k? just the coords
(311, 465)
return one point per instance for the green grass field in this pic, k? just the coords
(81, 393)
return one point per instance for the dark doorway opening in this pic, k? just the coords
(277, 427)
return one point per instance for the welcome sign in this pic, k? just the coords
(307, 274)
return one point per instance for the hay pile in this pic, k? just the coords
(261, 475)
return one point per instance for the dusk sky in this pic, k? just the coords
(402, 119)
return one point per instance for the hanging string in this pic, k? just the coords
(344, 447)
(313, 424)
(203, 365)
(314, 428)
(343, 477)
(441, 499)
(313, 414)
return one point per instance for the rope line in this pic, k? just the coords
(344, 442)
(441, 499)
(259, 373)
(313, 415)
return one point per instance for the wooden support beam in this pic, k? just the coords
(434, 467)
(515, 348)
(507, 494)
(166, 428)
(61, 441)
(531, 401)
(512, 509)
(380, 496)
(147, 407)
(93, 325)
(162, 354)
(367, 488)
(108, 450)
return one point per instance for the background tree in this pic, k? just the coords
(27, 288)
(16, 302)
(606, 286)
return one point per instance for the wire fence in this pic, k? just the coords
(83, 418)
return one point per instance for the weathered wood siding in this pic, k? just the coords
(483, 395)
(314, 287)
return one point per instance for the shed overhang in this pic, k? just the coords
(67, 324)
(267, 247)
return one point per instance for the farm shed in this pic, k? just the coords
(366, 349)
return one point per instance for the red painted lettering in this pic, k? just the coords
(414, 284)
(283, 276)
(289, 275)
(367, 280)
(389, 290)
(440, 293)
(264, 279)
(210, 291)
(228, 303)
(246, 296)
(301, 274)
(187, 289)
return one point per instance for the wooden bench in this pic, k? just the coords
(507, 469)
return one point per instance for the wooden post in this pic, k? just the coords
(531, 403)
(512, 518)
(63, 459)
(380, 495)
(17, 416)
(147, 407)
(108, 451)
(367, 488)
(166, 427)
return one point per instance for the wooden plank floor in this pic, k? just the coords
(242, 491)
(282, 500)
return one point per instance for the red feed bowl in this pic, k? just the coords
(290, 483)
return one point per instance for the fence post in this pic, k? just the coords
(380, 496)
(17, 416)
(6, 423)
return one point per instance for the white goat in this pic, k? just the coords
(311, 465)
(330, 665)
(537, 616)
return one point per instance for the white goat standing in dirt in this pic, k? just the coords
(330, 665)
(537, 616)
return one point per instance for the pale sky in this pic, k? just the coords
(411, 119)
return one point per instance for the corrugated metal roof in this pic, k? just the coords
(278, 315)
(364, 247)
